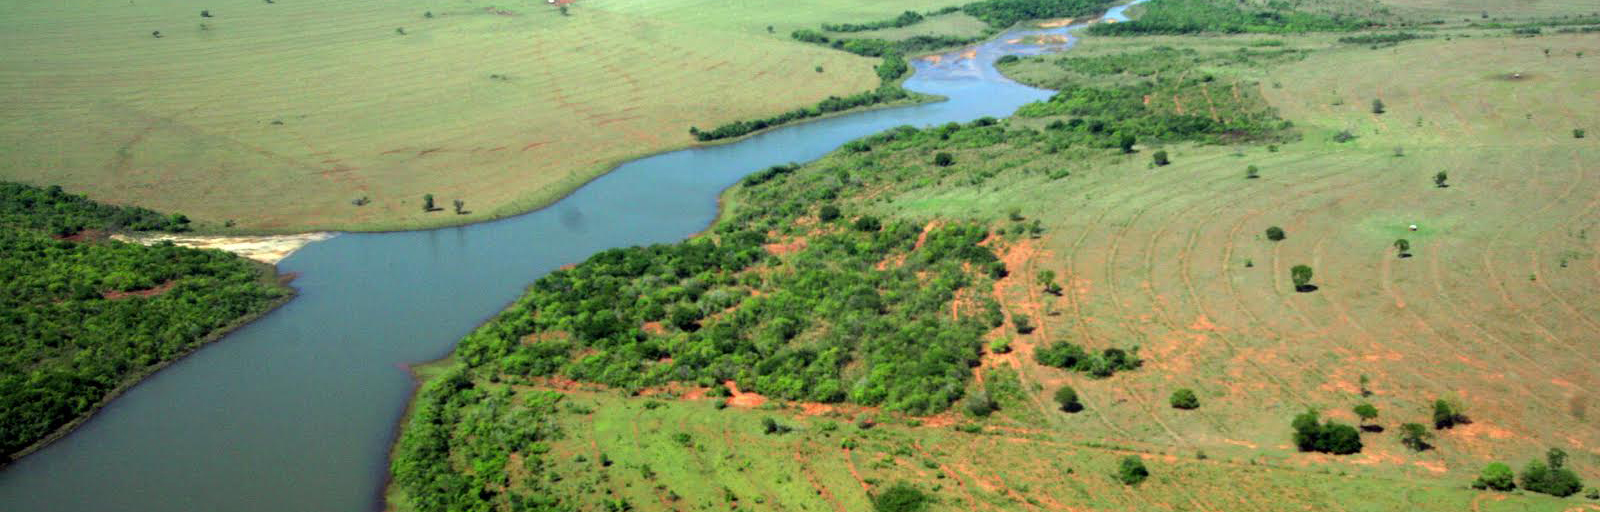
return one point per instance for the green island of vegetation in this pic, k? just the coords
(86, 316)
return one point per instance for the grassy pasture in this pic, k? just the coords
(1497, 308)
(279, 115)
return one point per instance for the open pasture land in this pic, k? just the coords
(279, 115)
(1496, 307)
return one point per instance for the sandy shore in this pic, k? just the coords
(266, 249)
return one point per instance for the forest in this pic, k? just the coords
(1172, 17)
(84, 318)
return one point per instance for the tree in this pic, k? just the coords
(205, 14)
(1495, 476)
(1275, 233)
(1365, 390)
(1415, 436)
(1330, 437)
(427, 202)
(1377, 106)
(564, 10)
(458, 204)
(980, 404)
(1447, 414)
(1047, 278)
(828, 213)
(1366, 412)
(1160, 158)
(900, 497)
(1184, 398)
(868, 223)
(1252, 172)
(1551, 476)
(1125, 141)
(1439, 179)
(1577, 133)
(1402, 246)
(944, 159)
(1301, 274)
(1023, 323)
(1067, 398)
(1131, 471)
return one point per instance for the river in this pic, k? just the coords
(296, 411)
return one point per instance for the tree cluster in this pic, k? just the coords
(1311, 435)
(1174, 17)
(56, 212)
(1069, 356)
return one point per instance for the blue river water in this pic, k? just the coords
(296, 411)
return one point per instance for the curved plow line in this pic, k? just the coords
(822, 490)
(1505, 295)
(950, 473)
(1183, 261)
(1566, 227)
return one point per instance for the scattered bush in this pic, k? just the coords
(1496, 477)
(1301, 275)
(980, 404)
(1551, 476)
(1069, 356)
(1160, 158)
(944, 159)
(1439, 179)
(1415, 436)
(1023, 323)
(1275, 233)
(1377, 106)
(1578, 133)
(1447, 414)
(1252, 172)
(828, 213)
(1131, 471)
(1067, 398)
(900, 497)
(1184, 398)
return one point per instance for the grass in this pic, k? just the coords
(278, 116)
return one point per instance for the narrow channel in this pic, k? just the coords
(296, 411)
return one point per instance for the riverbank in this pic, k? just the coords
(269, 274)
(268, 249)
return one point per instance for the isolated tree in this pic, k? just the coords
(1184, 398)
(156, 34)
(1275, 233)
(1160, 158)
(458, 204)
(1366, 412)
(944, 159)
(1578, 133)
(828, 213)
(1301, 275)
(1047, 278)
(1252, 172)
(1497, 477)
(1415, 436)
(1365, 390)
(1023, 324)
(1439, 179)
(900, 497)
(1377, 106)
(1403, 247)
(205, 14)
(1125, 141)
(1131, 471)
(1447, 414)
(427, 202)
(1067, 398)
(1551, 476)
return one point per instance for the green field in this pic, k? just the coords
(278, 116)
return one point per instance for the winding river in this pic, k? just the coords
(296, 411)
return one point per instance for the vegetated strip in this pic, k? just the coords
(88, 317)
(1171, 17)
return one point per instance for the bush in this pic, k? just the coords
(1551, 476)
(980, 404)
(1447, 414)
(868, 223)
(944, 159)
(1275, 233)
(1330, 437)
(1023, 324)
(1377, 106)
(1496, 476)
(1160, 158)
(828, 213)
(1301, 275)
(1184, 399)
(1067, 398)
(1415, 436)
(1000, 346)
(1131, 471)
(1577, 133)
(900, 497)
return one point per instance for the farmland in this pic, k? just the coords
(297, 116)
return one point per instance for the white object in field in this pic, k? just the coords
(550, 1)
(1413, 227)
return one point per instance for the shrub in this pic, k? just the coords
(1366, 412)
(1132, 471)
(1184, 398)
(1402, 246)
(770, 426)
(1000, 346)
(1577, 133)
(1022, 322)
(900, 497)
(1125, 142)
(1067, 398)
(1495, 476)
(1329, 437)
(1439, 179)
(944, 159)
(1301, 275)
(1344, 136)
(1275, 233)
(1551, 476)
(1160, 158)
(1377, 106)
(980, 404)
(868, 223)
(1252, 172)
(828, 213)
(1447, 414)
(1415, 436)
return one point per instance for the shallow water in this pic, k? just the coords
(296, 411)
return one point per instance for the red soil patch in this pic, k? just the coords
(815, 409)
(653, 328)
(791, 247)
(158, 290)
(742, 399)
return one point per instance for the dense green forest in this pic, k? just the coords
(83, 318)
(1169, 17)
(57, 212)
(1004, 13)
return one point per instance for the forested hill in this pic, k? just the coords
(86, 318)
